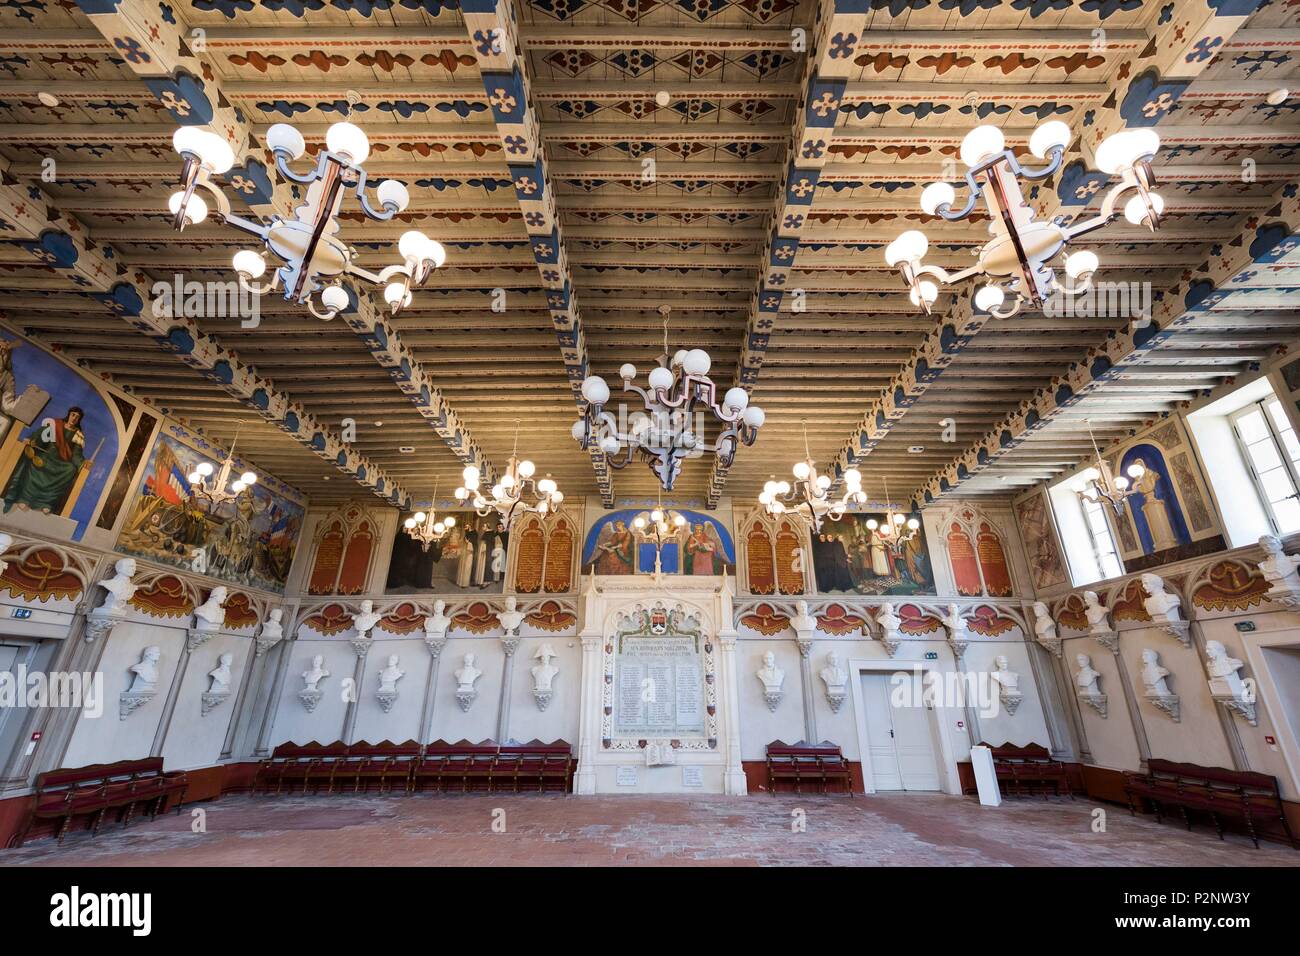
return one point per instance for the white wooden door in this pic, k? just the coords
(899, 738)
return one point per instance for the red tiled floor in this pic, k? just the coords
(453, 829)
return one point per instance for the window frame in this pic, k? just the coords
(1291, 467)
(1101, 504)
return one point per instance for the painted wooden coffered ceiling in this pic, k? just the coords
(586, 161)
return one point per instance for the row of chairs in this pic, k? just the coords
(409, 767)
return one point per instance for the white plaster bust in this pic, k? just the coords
(365, 619)
(1044, 626)
(467, 674)
(119, 587)
(803, 622)
(511, 617)
(211, 615)
(221, 675)
(544, 673)
(1004, 676)
(771, 675)
(1096, 614)
(1218, 662)
(436, 624)
(833, 674)
(390, 675)
(146, 671)
(1153, 675)
(1086, 678)
(272, 628)
(955, 623)
(315, 674)
(889, 621)
(1278, 567)
(1160, 604)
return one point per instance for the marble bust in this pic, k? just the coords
(221, 675)
(211, 615)
(1154, 676)
(511, 617)
(437, 623)
(1218, 662)
(1004, 676)
(467, 674)
(1159, 602)
(119, 587)
(145, 671)
(390, 675)
(1086, 678)
(803, 622)
(315, 674)
(365, 619)
(771, 675)
(833, 674)
(889, 621)
(544, 672)
(955, 623)
(272, 628)
(1096, 614)
(1278, 567)
(1044, 626)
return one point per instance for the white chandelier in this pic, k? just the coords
(1097, 483)
(428, 528)
(809, 499)
(221, 489)
(1017, 260)
(308, 245)
(663, 435)
(662, 524)
(896, 530)
(508, 493)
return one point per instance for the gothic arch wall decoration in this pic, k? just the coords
(343, 549)
(542, 554)
(976, 555)
(774, 554)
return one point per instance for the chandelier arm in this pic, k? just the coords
(385, 214)
(282, 164)
(1015, 303)
(247, 225)
(248, 285)
(974, 190)
(323, 316)
(1054, 157)
(943, 275)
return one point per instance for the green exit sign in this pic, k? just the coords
(931, 655)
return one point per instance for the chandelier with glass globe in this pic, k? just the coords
(896, 530)
(220, 489)
(661, 524)
(672, 426)
(313, 258)
(1018, 259)
(427, 527)
(511, 491)
(1097, 483)
(809, 498)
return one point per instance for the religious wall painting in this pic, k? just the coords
(1039, 538)
(700, 546)
(470, 558)
(1230, 586)
(848, 557)
(766, 620)
(551, 616)
(40, 574)
(543, 555)
(59, 440)
(249, 540)
(343, 547)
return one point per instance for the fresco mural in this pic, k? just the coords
(848, 557)
(472, 557)
(250, 541)
(1155, 510)
(1045, 564)
(59, 440)
(613, 545)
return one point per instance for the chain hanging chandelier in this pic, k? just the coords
(220, 490)
(428, 528)
(1096, 483)
(1017, 260)
(809, 498)
(663, 435)
(308, 245)
(896, 530)
(509, 492)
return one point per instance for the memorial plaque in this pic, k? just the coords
(659, 686)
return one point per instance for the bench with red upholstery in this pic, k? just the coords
(299, 764)
(386, 764)
(1029, 769)
(491, 766)
(1252, 798)
(93, 791)
(820, 764)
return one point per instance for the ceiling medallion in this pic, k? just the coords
(672, 427)
(1017, 259)
(308, 245)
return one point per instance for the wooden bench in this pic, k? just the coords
(299, 764)
(1028, 769)
(489, 766)
(821, 764)
(386, 764)
(1252, 798)
(93, 791)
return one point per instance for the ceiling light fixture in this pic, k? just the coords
(508, 493)
(662, 436)
(427, 528)
(308, 245)
(896, 530)
(221, 489)
(1096, 483)
(1017, 260)
(809, 499)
